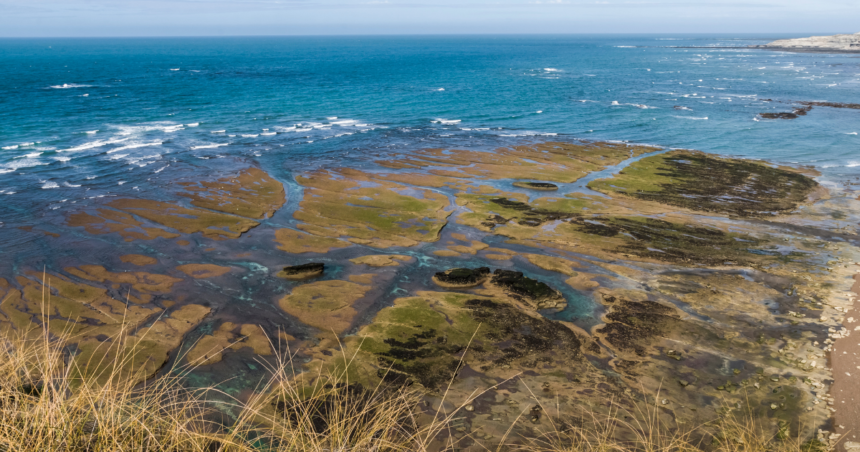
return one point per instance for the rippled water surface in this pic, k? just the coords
(84, 119)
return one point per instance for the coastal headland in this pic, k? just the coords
(563, 275)
(843, 43)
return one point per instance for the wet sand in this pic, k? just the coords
(846, 373)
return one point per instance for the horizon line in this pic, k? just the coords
(299, 35)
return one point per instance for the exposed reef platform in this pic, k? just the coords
(625, 270)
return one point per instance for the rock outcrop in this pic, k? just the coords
(835, 43)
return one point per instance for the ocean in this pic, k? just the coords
(87, 119)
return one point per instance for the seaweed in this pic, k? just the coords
(700, 182)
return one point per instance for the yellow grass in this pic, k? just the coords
(49, 402)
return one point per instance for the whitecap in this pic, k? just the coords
(331, 117)
(551, 69)
(36, 154)
(118, 156)
(447, 122)
(49, 185)
(174, 69)
(135, 146)
(62, 159)
(267, 134)
(91, 177)
(139, 129)
(91, 132)
(92, 144)
(71, 185)
(344, 122)
(540, 111)
(70, 85)
(441, 89)
(9, 148)
(120, 182)
(250, 136)
(209, 146)
(193, 124)
(218, 131)
(85, 95)
(160, 169)
(851, 133)
(691, 117)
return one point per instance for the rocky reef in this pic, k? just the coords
(719, 282)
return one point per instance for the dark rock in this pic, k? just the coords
(494, 220)
(632, 325)
(781, 115)
(531, 216)
(544, 186)
(462, 277)
(535, 292)
(832, 105)
(302, 271)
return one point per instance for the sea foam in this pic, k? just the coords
(135, 146)
(69, 86)
(209, 146)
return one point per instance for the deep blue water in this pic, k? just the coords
(82, 119)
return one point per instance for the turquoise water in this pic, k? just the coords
(86, 119)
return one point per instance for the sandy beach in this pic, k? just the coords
(846, 373)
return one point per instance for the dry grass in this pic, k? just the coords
(51, 402)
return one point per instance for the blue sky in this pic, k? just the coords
(31, 18)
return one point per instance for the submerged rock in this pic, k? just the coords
(532, 291)
(543, 186)
(786, 115)
(461, 277)
(780, 115)
(303, 271)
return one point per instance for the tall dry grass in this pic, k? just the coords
(50, 401)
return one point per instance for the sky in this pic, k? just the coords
(80, 18)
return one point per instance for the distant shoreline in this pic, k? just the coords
(776, 49)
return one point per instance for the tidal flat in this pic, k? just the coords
(571, 275)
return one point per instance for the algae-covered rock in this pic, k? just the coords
(210, 224)
(367, 211)
(327, 305)
(209, 348)
(542, 186)
(632, 325)
(535, 293)
(702, 182)
(382, 260)
(201, 271)
(423, 339)
(250, 193)
(461, 277)
(303, 271)
(297, 242)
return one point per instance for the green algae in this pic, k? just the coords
(423, 339)
(701, 182)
